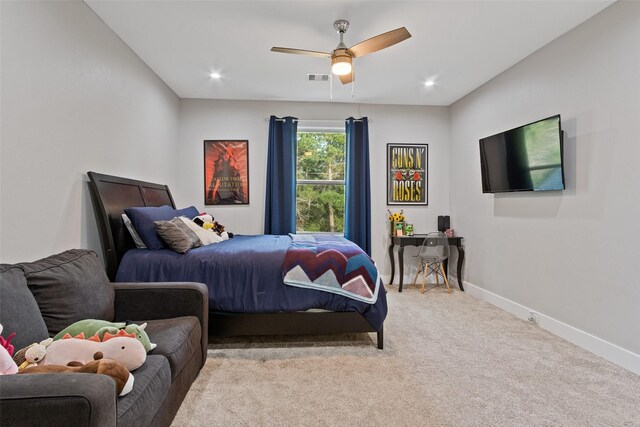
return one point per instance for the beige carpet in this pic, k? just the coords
(449, 360)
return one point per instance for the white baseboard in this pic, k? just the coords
(595, 345)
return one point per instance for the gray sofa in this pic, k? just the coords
(39, 299)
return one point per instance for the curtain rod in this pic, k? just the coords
(321, 121)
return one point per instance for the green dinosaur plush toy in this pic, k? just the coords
(91, 327)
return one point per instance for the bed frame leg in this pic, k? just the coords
(380, 339)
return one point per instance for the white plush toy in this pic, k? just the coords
(37, 352)
(32, 355)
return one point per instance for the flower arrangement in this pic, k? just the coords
(395, 216)
(396, 219)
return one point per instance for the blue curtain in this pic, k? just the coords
(280, 206)
(357, 210)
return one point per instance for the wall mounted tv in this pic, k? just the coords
(527, 158)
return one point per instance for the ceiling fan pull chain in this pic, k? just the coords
(353, 85)
(330, 86)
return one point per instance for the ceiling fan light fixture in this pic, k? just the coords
(341, 65)
(342, 56)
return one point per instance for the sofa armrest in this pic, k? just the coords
(164, 300)
(57, 399)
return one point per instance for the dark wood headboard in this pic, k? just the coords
(110, 196)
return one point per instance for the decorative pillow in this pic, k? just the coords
(173, 236)
(189, 212)
(132, 231)
(206, 237)
(19, 310)
(70, 286)
(193, 237)
(143, 219)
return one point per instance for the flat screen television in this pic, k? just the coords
(527, 158)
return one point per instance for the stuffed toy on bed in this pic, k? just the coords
(207, 222)
(123, 347)
(91, 327)
(99, 365)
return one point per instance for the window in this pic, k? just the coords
(543, 154)
(320, 181)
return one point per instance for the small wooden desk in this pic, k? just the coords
(416, 240)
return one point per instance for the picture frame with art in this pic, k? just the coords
(226, 172)
(407, 174)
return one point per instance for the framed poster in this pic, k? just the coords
(407, 172)
(226, 172)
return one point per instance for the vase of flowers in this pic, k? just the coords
(396, 222)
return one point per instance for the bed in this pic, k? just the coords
(241, 303)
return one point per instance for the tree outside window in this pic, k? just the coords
(320, 182)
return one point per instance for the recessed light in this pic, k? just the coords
(429, 83)
(215, 75)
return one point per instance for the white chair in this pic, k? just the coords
(432, 253)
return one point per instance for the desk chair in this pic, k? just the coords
(432, 253)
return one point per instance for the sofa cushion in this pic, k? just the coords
(177, 339)
(19, 311)
(151, 384)
(70, 286)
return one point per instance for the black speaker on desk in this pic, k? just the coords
(444, 222)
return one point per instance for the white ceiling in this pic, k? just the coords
(458, 44)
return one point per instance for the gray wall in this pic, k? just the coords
(570, 255)
(74, 98)
(218, 119)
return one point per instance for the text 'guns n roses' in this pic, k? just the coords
(409, 173)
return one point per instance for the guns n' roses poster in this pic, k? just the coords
(226, 172)
(407, 174)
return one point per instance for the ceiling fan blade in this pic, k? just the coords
(347, 78)
(301, 52)
(379, 42)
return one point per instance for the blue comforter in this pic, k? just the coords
(244, 275)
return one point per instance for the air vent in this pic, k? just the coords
(318, 77)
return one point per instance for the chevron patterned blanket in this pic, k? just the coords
(331, 264)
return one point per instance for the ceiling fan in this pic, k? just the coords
(342, 57)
